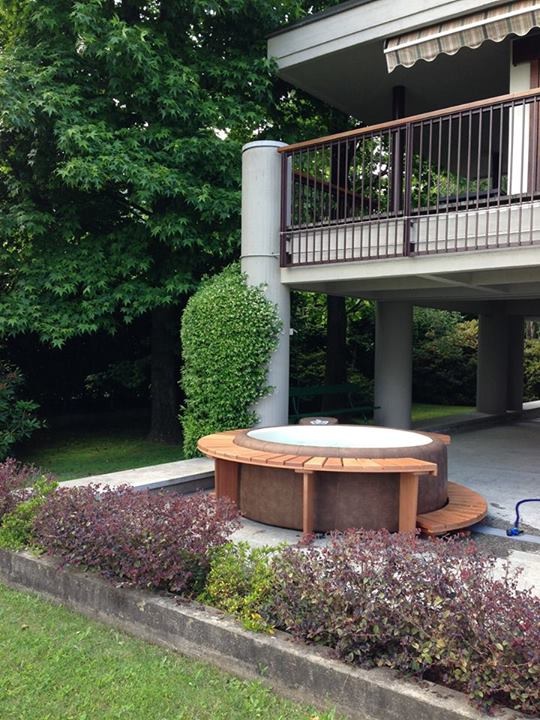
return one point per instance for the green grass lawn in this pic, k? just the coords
(80, 452)
(422, 412)
(57, 665)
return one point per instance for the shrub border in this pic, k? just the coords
(296, 671)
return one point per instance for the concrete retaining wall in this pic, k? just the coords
(294, 670)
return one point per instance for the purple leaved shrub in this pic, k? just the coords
(159, 541)
(15, 479)
(429, 608)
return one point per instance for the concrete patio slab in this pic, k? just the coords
(193, 474)
(529, 565)
(503, 464)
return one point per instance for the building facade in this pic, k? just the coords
(434, 201)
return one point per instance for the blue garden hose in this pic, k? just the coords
(515, 529)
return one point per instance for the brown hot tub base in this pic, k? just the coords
(341, 500)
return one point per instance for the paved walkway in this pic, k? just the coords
(503, 464)
(194, 474)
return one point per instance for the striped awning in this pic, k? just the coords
(467, 31)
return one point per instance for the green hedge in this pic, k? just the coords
(229, 331)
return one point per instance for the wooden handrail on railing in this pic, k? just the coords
(462, 178)
(392, 124)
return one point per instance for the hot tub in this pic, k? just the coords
(265, 473)
(338, 437)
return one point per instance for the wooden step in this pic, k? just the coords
(465, 507)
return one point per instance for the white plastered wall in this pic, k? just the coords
(518, 151)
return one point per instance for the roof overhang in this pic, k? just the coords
(338, 57)
(359, 23)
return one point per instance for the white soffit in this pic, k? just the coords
(365, 23)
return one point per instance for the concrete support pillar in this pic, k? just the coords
(492, 372)
(516, 332)
(261, 213)
(393, 364)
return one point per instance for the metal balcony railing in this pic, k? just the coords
(463, 178)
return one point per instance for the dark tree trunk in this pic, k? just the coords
(164, 424)
(336, 348)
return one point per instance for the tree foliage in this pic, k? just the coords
(120, 136)
(444, 357)
(17, 416)
(119, 133)
(309, 340)
(531, 389)
(121, 125)
(444, 349)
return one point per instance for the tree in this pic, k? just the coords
(336, 349)
(332, 341)
(120, 134)
(445, 346)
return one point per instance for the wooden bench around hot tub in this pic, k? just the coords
(228, 457)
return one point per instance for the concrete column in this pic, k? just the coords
(516, 332)
(492, 371)
(393, 364)
(261, 214)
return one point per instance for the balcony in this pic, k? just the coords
(462, 179)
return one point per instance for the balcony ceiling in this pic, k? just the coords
(356, 80)
(339, 59)
(468, 281)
